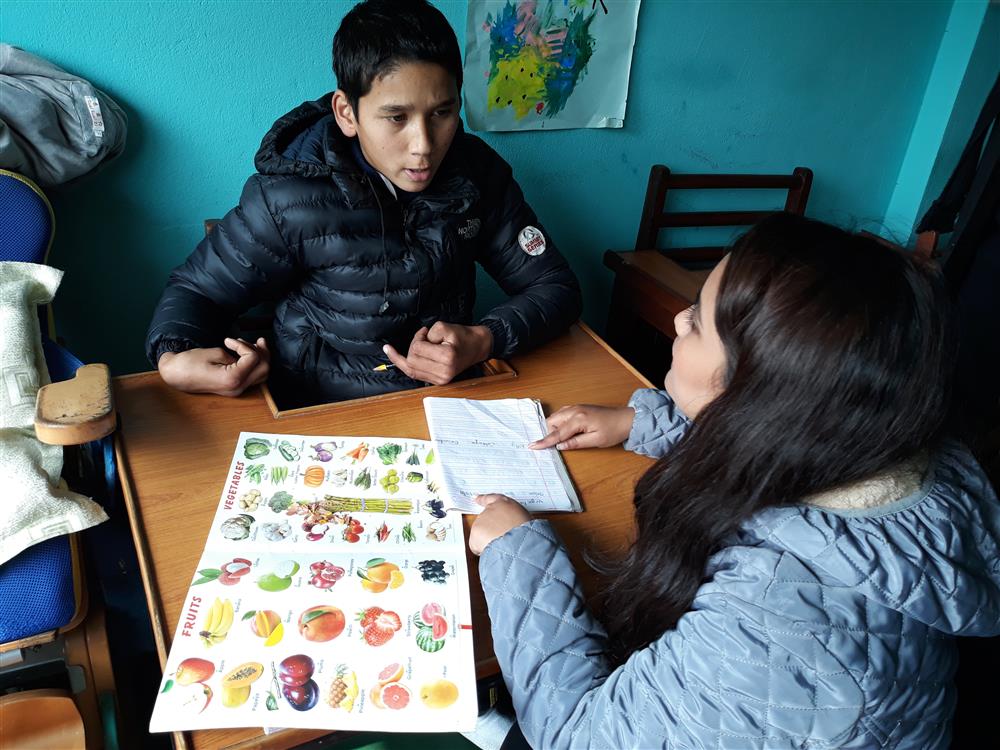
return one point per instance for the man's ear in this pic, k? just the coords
(343, 113)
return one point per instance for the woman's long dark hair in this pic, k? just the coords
(838, 366)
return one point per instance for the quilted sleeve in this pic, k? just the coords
(243, 262)
(724, 677)
(517, 251)
(658, 423)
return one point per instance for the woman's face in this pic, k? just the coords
(699, 359)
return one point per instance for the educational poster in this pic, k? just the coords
(548, 64)
(332, 593)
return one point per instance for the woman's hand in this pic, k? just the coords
(586, 426)
(501, 515)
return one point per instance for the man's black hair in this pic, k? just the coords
(376, 36)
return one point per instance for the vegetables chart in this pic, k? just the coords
(332, 593)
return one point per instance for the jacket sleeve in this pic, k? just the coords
(544, 295)
(658, 423)
(726, 676)
(244, 261)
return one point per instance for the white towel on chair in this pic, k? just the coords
(33, 505)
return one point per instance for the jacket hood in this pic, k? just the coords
(933, 556)
(306, 142)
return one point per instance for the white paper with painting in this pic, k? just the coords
(332, 593)
(548, 64)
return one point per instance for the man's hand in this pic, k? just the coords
(440, 353)
(501, 515)
(216, 370)
(586, 426)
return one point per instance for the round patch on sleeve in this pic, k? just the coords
(531, 240)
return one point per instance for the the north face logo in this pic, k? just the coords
(469, 229)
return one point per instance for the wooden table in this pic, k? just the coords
(174, 451)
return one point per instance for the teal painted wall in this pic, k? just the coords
(716, 86)
(956, 56)
(980, 74)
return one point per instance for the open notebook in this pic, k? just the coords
(483, 447)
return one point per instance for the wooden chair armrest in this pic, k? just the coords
(77, 411)
(652, 268)
(41, 718)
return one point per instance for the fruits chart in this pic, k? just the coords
(332, 593)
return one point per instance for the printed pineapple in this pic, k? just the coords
(344, 689)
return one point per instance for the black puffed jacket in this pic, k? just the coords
(350, 268)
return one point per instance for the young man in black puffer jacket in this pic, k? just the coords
(364, 224)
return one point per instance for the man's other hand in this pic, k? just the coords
(216, 370)
(438, 354)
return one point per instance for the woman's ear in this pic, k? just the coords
(343, 113)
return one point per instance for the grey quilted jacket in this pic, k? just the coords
(814, 629)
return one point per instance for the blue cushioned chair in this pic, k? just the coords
(43, 594)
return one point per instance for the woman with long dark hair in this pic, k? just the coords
(808, 543)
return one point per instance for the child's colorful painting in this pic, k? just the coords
(548, 64)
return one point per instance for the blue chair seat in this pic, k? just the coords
(39, 590)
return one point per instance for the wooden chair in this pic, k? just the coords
(653, 285)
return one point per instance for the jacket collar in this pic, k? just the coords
(898, 482)
(451, 191)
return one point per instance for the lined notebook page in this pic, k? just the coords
(482, 447)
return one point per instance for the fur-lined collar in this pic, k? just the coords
(881, 489)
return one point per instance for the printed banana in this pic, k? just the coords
(222, 628)
(218, 622)
(213, 616)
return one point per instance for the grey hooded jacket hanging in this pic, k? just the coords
(54, 125)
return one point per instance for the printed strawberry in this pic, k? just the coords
(367, 616)
(382, 628)
(389, 620)
(376, 636)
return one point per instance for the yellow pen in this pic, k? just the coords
(383, 368)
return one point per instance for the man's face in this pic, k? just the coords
(405, 123)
